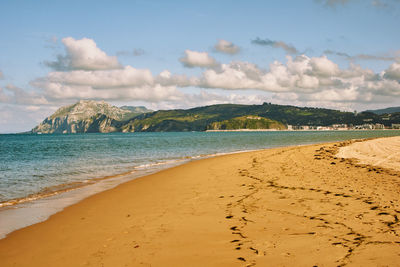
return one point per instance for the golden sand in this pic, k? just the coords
(295, 206)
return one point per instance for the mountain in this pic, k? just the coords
(385, 110)
(138, 110)
(91, 116)
(86, 116)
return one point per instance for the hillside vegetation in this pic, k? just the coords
(246, 122)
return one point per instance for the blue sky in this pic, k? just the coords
(344, 54)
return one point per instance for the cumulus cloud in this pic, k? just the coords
(193, 59)
(308, 79)
(393, 72)
(302, 73)
(290, 49)
(83, 54)
(324, 67)
(226, 47)
(86, 72)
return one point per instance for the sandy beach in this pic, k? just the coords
(294, 206)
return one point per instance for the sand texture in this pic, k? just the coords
(296, 206)
(383, 152)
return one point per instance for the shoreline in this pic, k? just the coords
(262, 207)
(41, 206)
(67, 186)
(52, 200)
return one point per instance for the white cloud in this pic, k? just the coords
(15, 95)
(166, 78)
(393, 72)
(126, 77)
(83, 54)
(19, 118)
(301, 78)
(226, 47)
(322, 66)
(208, 97)
(309, 79)
(150, 93)
(198, 59)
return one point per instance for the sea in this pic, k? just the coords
(42, 174)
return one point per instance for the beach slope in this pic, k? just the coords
(295, 206)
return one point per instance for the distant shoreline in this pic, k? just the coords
(308, 130)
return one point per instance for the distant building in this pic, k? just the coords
(340, 127)
(395, 125)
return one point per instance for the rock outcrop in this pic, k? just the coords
(88, 116)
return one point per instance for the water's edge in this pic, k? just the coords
(21, 213)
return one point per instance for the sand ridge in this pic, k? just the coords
(295, 206)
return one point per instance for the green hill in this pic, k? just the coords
(246, 122)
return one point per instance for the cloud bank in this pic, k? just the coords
(300, 80)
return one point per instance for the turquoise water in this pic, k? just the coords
(31, 164)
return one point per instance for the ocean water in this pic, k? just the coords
(31, 164)
(35, 168)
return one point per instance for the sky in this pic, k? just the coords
(339, 54)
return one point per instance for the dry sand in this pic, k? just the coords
(296, 206)
(384, 152)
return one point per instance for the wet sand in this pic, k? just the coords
(295, 206)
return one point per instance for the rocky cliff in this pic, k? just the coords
(87, 116)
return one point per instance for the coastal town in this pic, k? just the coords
(344, 127)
